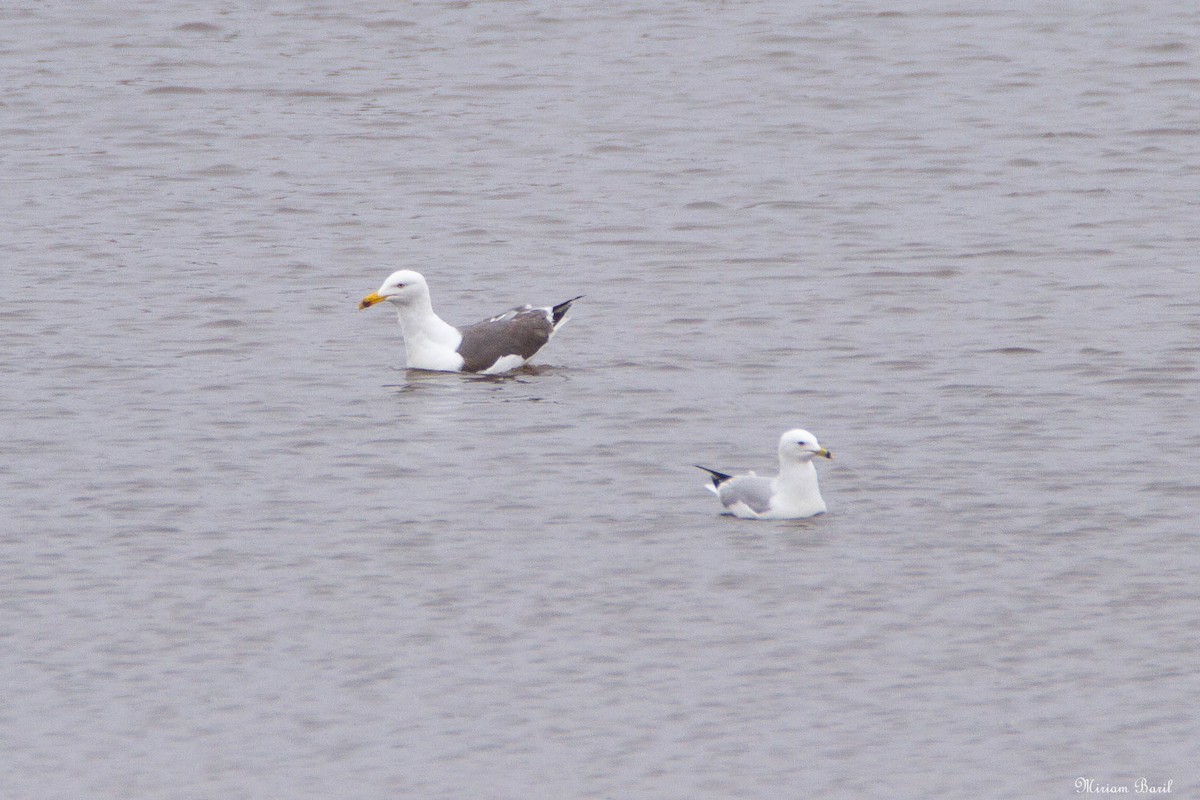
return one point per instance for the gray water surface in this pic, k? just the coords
(245, 554)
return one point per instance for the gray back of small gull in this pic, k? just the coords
(752, 490)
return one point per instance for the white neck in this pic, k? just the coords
(797, 485)
(429, 341)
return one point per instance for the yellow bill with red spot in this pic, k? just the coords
(370, 300)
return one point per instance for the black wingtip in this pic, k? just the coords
(717, 477)
(560, 310)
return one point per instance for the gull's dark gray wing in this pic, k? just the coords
(521, 332)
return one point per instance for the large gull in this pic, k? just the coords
(792, 494)
(502, 343)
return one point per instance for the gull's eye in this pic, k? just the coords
(399, 285)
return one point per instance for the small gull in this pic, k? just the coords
(792, 494)
(502, 343)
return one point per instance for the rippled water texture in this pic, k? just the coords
(245, 555)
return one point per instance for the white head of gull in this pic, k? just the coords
(792, 494)
(498, 344)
